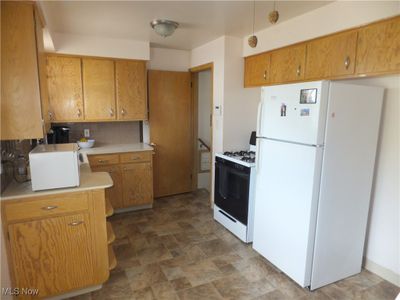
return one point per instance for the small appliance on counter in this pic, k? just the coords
(54, 166)
(234, 190)
(58, 135)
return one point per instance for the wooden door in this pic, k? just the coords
(65, 88)
(256, 70)
(137, 184)
(288, 64)
(21, 116)
(98, 89)
(378, 49)
(131, 85)
(53, 255)
(171, 131)
(41, 56)
(114, 193)
(331, 56)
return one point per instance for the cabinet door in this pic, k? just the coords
(256, 70)
(21, 116)
(98, 89)
(65, 88)
(54, 255)
(331, 56)
(378, 49)
(288, 64)
(41, 55)
(131, 87)
(113, 193)
(137, 184)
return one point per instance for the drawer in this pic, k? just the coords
(104, 159)
(136, 157)
(39, 207)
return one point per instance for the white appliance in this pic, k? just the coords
(54, 166)
(316, 146)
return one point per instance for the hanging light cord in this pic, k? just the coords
(254, 14)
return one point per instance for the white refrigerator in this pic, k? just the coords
(316, 147)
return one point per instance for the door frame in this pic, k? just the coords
(195, 88)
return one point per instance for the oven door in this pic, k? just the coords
(231, 193)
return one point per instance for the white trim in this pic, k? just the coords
(76, 293)
(381, 271)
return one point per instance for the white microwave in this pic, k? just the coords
(54, 166)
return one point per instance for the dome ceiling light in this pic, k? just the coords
(164, 27)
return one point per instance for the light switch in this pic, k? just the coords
(86, 133)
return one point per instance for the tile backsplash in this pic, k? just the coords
(110, 133)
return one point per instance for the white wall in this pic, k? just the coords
(99, 46)
(330, 18)
(169, 59)
(204, 129)
(383, 237)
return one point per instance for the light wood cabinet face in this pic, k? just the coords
(65, 88)
(257, 70)
(288, 64)
(131, 85)
(137, 184)
(98, 89)
(114, 193)
(331, 56)
(53, 254)
(378, 48)
(21, 116)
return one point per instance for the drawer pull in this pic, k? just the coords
(75, 223)
(102, 161)
(50, 207)
(135, 158)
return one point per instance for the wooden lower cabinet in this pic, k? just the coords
(132, 174)
(137, 184)
(64, 251)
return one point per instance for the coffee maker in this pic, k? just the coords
(58, 135)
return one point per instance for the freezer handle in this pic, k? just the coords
(259, 113)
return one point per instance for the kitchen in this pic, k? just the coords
(176, 249)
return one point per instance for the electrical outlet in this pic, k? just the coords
(86, 133)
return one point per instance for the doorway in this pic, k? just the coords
(202, 95)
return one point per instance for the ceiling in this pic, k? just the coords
(201, 21)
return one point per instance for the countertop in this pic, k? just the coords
(88, 180)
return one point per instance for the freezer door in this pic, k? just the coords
(285, 206)
(294, 112)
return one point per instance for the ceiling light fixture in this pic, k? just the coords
(164, 27)
(273, 15)
(253, 39)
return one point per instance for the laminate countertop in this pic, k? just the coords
(88, 180)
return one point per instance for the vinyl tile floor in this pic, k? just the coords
(177, 251)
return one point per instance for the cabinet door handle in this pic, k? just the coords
(50, 115)
(265, 75)
(298, 71)
(50, 207)
(347, 62)
(111, 112)
(79, 113)
(135, 158)
(123, 112)
(75, 223)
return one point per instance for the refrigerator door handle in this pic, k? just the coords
(259, 113)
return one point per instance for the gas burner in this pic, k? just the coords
(229, 153)
(248, 159)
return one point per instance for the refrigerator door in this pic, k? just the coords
(286, 200)
(294, 112)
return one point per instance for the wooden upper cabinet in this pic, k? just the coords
(378, 48)
(256, 70)
(65, 88)
(41, 55)
(98, 89)
(21, 116)
(54, 254)
(331, 56)
(131, 85)
(288, 64)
